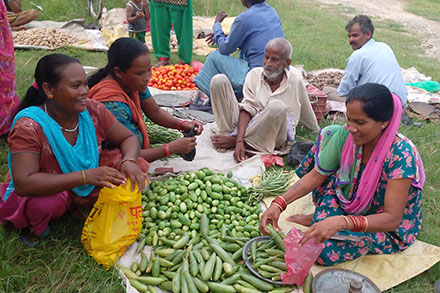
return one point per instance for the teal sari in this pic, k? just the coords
(83, 155)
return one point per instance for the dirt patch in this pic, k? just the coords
(394, 10)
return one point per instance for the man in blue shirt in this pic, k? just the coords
(371, 62)
(250, 33)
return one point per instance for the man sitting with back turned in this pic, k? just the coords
(250, 33)
(371, 62)
(274, 101)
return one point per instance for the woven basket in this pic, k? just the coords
(318, 100)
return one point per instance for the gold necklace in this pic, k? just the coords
(62, 128)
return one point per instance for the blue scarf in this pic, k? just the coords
(81, 156)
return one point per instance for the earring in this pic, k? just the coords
(383, 127)
(49, 96)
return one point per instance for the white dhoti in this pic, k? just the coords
(266, 131)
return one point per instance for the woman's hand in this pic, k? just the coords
(323, 230)
(104, 176)
(132, 171)
(270, 216)
(182, 145)
(188, 125)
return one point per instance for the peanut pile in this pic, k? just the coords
(324, 79)
(49, 38)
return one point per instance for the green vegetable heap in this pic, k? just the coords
(197, 226)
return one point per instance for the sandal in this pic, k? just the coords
(29, 243)
(162, 62)
(31, 240)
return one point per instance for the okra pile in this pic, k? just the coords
(159, 135)
(267, 256)
(197, 226)
(274, 181)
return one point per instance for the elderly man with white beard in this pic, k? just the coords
(274, 102)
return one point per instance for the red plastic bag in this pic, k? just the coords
(271, 160)
(299, 259)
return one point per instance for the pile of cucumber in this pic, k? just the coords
(173, 208)
(197, 226)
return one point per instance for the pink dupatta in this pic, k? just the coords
(358, 202)
(8, 95)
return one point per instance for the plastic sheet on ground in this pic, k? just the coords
(386, 271)
(206, 156)
(114, 26)
(92, 40)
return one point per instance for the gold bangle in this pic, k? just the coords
(84, 177)
(366, 224)
(346, 220)
(125, 160)
(278, 206)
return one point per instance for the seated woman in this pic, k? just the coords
(55, 154)
(118, 84)
(366, 180)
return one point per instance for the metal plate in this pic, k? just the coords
(194, 114)
(338, 280)
(170, 100)
(249, 262)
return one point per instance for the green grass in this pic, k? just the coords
(61, 264)
(429, 9)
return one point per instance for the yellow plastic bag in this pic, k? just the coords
(113, 224)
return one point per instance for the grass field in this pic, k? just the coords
(60, 264)
(429, 9)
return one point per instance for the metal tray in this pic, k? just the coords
(249, 262)
(338, 280)
(170, 100)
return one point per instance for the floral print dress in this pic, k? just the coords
(399, 163)
(8, 94)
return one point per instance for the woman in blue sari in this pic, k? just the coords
(55, 154)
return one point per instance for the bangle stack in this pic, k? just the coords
(167, 150)
(179, 126)
(360, 223)
(280, 202)
(125, 160)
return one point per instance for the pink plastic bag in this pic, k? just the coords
(299, 259)
(197, 65)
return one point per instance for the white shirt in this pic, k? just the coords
(292, 91)
(374, 62)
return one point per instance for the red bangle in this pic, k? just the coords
(179, 126)
(281, 202)
(274, 203)
(359, 223)
(282, 198)
(239, 140)
(167, 150)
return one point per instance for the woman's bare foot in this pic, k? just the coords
(305, 220)
(223, 141)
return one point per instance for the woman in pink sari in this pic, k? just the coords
(366, 180)
(8, 95)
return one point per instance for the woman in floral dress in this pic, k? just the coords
(366, 180)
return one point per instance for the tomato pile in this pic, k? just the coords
(173, 77)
